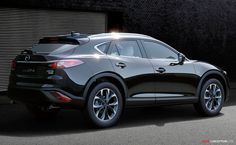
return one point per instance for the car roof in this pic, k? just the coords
(116, 35)
(79, 38)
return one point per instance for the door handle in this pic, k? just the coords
(121, 64)
(160, 70)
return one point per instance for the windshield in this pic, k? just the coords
(54, 49)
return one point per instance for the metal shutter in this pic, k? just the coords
(21, 28)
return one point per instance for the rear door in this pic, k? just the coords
(172, 82)
(130, 63)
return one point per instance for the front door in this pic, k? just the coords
(172, 82)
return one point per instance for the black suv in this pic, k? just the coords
(103, 73)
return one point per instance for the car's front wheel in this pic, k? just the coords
(211, 98)
(104, 105)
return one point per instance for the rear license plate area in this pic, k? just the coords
(32, 70)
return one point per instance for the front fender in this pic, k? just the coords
(218, 75)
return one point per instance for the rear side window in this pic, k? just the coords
(126, 48)
(102, 48)
(54, 49)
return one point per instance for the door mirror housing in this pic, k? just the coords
(181, 58)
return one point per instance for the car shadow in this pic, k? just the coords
(15, 120)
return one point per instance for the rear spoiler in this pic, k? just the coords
(62, 40)
(73, 38)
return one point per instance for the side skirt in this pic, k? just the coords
(155, 101)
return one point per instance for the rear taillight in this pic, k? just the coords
(66, 63)
(13, 64)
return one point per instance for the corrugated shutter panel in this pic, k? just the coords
(21, 28)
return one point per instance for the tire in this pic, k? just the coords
(104, 105)
(211, 98)
(42, 111)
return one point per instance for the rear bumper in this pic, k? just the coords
(44, 96)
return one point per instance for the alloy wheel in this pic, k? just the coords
(105, 104)
(213, 97)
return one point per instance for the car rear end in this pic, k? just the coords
(40, 75)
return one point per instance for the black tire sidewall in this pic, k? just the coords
(202, 101)
(89, 105)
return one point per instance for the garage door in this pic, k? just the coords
(20, 28)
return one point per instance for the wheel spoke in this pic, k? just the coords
(112, 96)
(216, 103)
(104, 114)
(211, 104)
(108, 95)
(207, 103)
(214, 88)
(98, 111)
(101, 92)
(97, 98)
(109, 117)
(207, 91)
(113, 104)
(218, 90)
(112, 109)
(210, 87)
(206, 97)
(97, 106)
(218, 97)
(97, 103)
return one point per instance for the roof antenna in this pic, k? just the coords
(73, 33)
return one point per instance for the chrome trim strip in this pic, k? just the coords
(156, 95)
(144, 95)
(168, 95)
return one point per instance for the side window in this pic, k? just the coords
(114, 51)
(126, 48)
(102, 47)
(156, 50)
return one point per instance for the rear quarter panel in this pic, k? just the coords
(80, 75)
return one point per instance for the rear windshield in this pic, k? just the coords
(54, 49)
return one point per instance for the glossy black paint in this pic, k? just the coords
(141, 80)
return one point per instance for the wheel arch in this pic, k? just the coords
(217, 75)
(106, 77)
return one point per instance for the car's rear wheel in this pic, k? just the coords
(40, 111)
(104, 105)
(211, 98)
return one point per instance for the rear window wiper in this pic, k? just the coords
(27, 51)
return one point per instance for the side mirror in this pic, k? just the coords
(181, 58)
